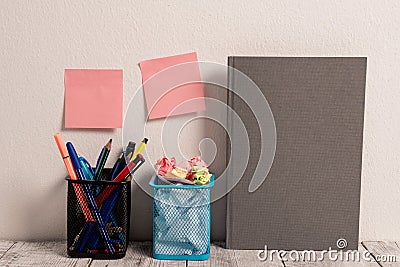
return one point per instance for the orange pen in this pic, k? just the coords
(73, 176)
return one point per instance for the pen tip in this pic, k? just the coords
(145, 140)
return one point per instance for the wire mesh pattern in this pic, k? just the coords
(181, 221)
(83, 233)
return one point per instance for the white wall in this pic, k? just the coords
(39, 39)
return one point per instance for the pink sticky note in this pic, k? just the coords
(172, 85)
(93, 98)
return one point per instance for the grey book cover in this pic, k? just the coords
(311, 195)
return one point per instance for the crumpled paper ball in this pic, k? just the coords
(165, 165)
(194, 169)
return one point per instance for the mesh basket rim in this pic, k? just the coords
(153, 183)
(98, 182)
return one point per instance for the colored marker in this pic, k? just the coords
(87, 169)
(116, 167)
(90, 198)
(106, 211)
(129, 169)
(140, 149)
(83, 238)
(71, 172)
(130, 149)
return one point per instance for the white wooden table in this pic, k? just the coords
(139, 254)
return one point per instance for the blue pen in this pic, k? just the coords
(115, 222)
(106, 211)
(86, 168)
(89, 174)
(117, 167)
(90, 199)
(83, 237)
(114, 170)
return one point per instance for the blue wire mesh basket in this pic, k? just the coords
(181, 220)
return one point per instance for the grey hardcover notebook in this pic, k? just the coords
(311, 195)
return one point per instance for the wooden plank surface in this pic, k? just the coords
(138, 254)
(218, 257)
(250, 258)
(327, 262)
(383, 248)
(135, 256)
(148, 259)
(40, 254)
(5, 246)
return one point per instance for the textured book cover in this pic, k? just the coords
(311, 196)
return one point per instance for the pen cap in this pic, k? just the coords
(86, 168)
(61, 145)
(131, 147)
(140, 149)
(73, 155)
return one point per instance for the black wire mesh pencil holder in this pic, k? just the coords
(85, 234)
